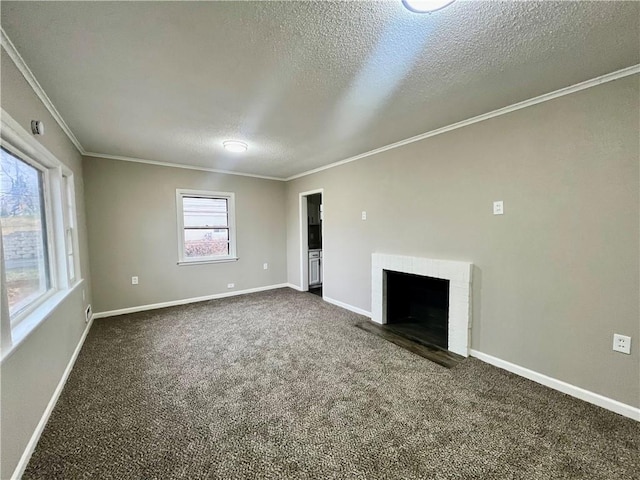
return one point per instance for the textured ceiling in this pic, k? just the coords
(305, 84)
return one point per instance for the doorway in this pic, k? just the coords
(311, 242)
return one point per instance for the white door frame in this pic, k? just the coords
(304, 241)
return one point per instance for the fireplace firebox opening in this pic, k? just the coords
(417, 307)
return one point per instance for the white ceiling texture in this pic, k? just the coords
(303, 83)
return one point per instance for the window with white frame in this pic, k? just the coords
(39, 239)
(25, 232)
(206, 226)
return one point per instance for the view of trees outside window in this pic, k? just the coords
(23, 232)
(206, 227)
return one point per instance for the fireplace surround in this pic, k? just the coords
(459, 276)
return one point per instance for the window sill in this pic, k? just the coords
(208, 260)
(33, 320)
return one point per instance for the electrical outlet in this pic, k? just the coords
(265, 266)
(498, 207)
(621, 343)
(231, 285)
(134, 280)
(364, 215)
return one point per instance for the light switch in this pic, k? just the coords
(498, 208)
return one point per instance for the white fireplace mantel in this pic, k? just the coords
(459, 276)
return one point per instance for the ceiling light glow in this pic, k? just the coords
(426, 6)
(235, 146)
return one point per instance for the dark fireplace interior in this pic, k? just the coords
(418, 307)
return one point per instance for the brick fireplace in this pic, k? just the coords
(457, 273)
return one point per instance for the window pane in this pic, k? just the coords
(206, 242)
(23, 232)
(205, 212)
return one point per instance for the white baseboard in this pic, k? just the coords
(28, 451)
(337, 303)
(564, 387)
(295, 287)
(346, 306)
(173, 303)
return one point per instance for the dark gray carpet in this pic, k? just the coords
(281, 385)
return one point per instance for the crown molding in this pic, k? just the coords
(609, 77)
(178, 165)
(10, 48)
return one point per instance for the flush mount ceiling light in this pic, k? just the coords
(426, 6)
(235, 146)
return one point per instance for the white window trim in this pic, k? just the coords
(71, 221)
(18, 141)
(231, 208)
(49, 221)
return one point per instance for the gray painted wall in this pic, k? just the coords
(131, 209)
(555, 276)
(32, 372)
